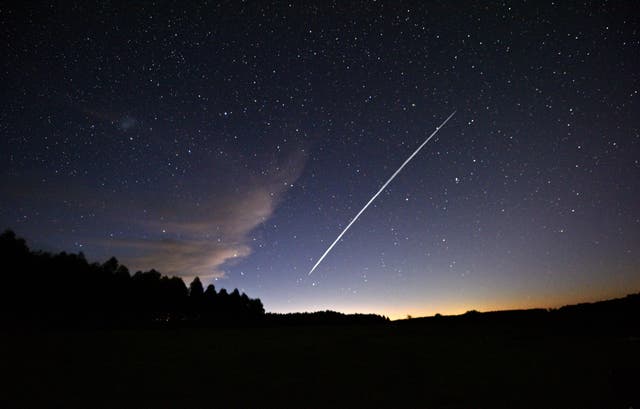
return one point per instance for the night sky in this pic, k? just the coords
(236, 140)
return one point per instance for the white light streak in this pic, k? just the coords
(380, 191)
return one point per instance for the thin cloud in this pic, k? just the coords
(185, 257)
(206, 239)
(195, 225)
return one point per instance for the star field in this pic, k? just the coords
(235, 141)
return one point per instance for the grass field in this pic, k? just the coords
(305, 367)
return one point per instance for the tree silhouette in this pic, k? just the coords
(196, 290)
(66, 290)
(110, 266)
(210, 292)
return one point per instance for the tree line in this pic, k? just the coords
(65, 289)
(324, 318)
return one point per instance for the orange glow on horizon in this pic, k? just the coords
(457, 307)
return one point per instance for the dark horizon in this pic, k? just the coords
(76, 332)
(181, 299)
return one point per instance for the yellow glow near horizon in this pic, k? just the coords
(456, 307)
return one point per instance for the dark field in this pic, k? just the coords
(394, 365)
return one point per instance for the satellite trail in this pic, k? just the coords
(380, 191)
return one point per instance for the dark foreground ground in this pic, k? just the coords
(393, 365)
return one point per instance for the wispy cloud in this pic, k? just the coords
(209, 235)
(188, 257)
(183, 224)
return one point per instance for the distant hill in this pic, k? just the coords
(619, 315)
